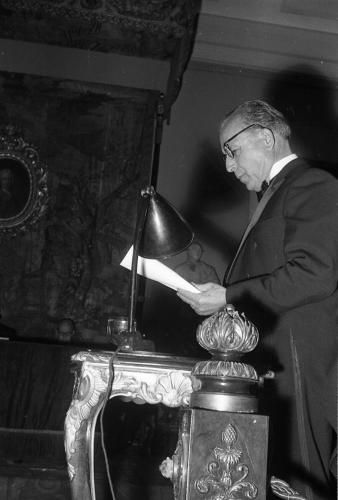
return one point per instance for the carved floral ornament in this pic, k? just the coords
(227, 333)
(227, 475)
(168, 386)
(23, 183)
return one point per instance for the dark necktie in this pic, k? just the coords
(264, 187)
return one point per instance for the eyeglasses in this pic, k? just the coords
(227, 151)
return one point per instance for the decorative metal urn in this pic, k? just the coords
(223, 383)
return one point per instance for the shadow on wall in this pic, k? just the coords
(213, 192)
(310, 102)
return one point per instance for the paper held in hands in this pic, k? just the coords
(155, 270)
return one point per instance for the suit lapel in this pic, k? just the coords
(274, 185)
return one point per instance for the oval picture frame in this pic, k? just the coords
(23, 183)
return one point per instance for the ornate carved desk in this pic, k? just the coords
(140, 376)
(221, 451)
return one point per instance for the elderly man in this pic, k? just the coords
(284, 277)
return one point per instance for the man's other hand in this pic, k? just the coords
(212, 298)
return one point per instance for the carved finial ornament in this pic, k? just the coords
(227, 334)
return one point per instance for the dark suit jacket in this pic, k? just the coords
(285, 280)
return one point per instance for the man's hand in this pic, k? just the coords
(211, 299)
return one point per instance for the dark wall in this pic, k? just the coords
(309, 100)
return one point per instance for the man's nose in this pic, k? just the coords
(230, 164)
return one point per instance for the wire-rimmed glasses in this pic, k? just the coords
(227, 151)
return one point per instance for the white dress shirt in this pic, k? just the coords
(280, 164)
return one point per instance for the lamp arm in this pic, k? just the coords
(140, 221)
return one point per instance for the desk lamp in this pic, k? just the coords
(160, 232)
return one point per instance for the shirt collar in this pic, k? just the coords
(280, 164)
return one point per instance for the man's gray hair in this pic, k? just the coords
(262, 113)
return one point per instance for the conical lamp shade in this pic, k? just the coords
(165, 232)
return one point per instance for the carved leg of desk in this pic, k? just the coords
(79, 432)
(134, 379)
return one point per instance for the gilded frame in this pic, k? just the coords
(23, 183)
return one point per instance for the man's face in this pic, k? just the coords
(252, 162)
(194, 252)
(5, 178)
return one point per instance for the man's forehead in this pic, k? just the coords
(233, 125)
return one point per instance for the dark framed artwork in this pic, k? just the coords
(23, 186)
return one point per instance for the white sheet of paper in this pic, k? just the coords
(157, 271)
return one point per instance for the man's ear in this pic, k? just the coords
(268, 137)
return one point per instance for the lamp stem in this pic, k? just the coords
(141, 217)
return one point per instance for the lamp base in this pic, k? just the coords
(117, 331)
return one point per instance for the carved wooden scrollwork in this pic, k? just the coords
(140, 378)
(23, 183)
